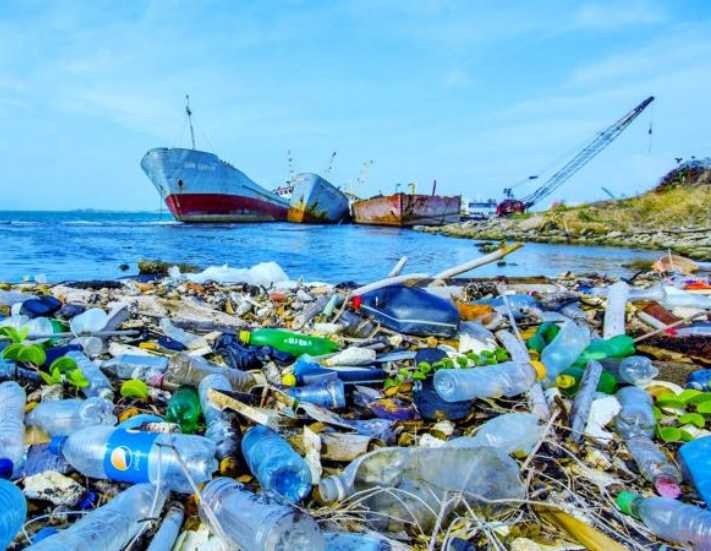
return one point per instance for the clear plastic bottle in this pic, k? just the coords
(169, 529)
(11, 371)
(670, 519)
(351, 356)
(12, 427)
(137, 456)
(135, 366)
(86, 323)
(254, 522)
(99, 384)
(112, 526)
(188, 340)
(614, 322)
(636, 418)
(654, 466)
(633, 370)
(492, 381)
(564, 349)
(58, 417)
(510, 432)
(580, 411)
(188, 370)
(14, 510)
(220, 428)
(329, 393)
(274, 463)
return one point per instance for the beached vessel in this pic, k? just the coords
(198, 186)
(315, 200)
(404, 209)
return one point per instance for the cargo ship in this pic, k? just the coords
(314, 200)
(405, 209)
(198, 186)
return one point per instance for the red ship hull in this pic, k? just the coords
(217, 207)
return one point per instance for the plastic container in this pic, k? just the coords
(112, 526)
(184, 409)
(86, 323)
(45, 305)
(351, 356)
(40, 459)
(99, 384)
(328, 393)
(253, 522)
(135, 456)
(12, 428)
(513, 433)
(636, 418)
(632, 370)
(134, 366)
(220, 427)
(410, 310)
(58, 417)
(287, 341)
(695, 457)
(614, 321)
(185, 370)
(654, 466)
(669, 519)
(274, 463)
(564, 349)
(165, 537)
(14, 510)
(493, 381)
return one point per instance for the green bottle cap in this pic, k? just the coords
(624, 502)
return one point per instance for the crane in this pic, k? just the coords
(601, 140)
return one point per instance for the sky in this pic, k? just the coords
(477, 95)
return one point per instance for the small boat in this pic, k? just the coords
(404, 209)
(315, 200)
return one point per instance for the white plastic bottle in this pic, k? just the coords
(492, 381)
(110, 527)
(138, 456)
(614, 322)
(12, 427)
(254, 522)
(58, 417)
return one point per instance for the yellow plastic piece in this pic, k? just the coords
(565, 381)
(149, 345)
(288, 379)
(540, 369)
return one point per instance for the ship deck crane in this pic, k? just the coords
(601, 140)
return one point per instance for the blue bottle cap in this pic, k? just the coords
(6, 468)
(56, 444)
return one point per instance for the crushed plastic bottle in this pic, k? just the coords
(669, 519)
(14, 510)
(136, 456)
(220, 425)
(492, 381)
(99, 384)
(328, 393)
(165, 537)
(632, 370)
(351, 356)
(274, 463)
(564, 350)
(185, 370)
(513, 433)
(62, 417)
(253, 522)
(12, 428)
(614, 321)
(112, 526)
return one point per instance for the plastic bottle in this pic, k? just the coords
(670, 519)
(346, 541)
(614, 321)
(327, 393)
(699, 379)
(185, 370)
(674, 298)
(14, 510)
(112, 526)
(511, 432)
(351, 356)
(220, 426)
(165, 537)
(11, 371)
(636, 418)
(569, 381)
(695, 457)
(99, 384)
(543, 336)
(40, 459)
(275, 464)
(91, 321)
(599, 349)
(254, 522)
(492, 381)
(184, 409)
(564, 349)
(190, 341)
(134, 366)
(135, 456)
(632, 370)
(580, 411)
(12, 428)
(286, 341)
(702, 329)
(654, 466)
(58, 417)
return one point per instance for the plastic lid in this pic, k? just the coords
(539, 368)
(624, 502)
(245, 336)
(6, 468)
(56, 444)
(565, 381)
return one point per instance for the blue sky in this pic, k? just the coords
(478, 95)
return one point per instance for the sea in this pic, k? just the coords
(81, 245)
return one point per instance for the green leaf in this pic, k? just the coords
(134, 388)
(657, 413)
(32, 354)
(11, 333)
(695, 419)
(670, 400)
(688, 394)
(700, 398)
(669, 434)
(390, 382)
(11, 352)
(53, 378)
(686, 436)
(462, 361)
(23, 333)
(424, 367)
(419, 376)
(704, 408)
(76, 378)
(63, 364)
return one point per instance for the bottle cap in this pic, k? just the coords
(565, 381)
(6, 468)
(624, 502)
(56, 444)
(244, 336)
(288, 379)
(539, 368)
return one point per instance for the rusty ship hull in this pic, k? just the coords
(402, 209)
(314, 200)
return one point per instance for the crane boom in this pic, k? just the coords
(592, 149)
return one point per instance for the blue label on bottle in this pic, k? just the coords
(126, 458)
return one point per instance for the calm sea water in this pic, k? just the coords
(86, 245)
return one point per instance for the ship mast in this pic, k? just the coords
(189, 114)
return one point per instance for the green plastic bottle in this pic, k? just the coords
(184, 409)
(569, 381)
(620, 346)
(545, 333)
(286, 341)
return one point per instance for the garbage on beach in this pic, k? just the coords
(238, 407)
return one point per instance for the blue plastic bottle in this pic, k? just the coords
(274, 463)
(695, 457)
(14, 510)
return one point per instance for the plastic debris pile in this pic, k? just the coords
(236, 408)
